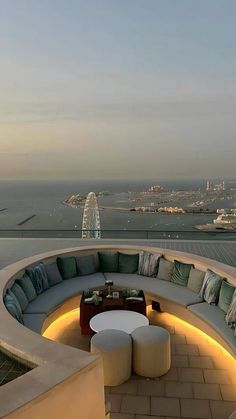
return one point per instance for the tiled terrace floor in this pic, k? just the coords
(12, 249)
(201, 383)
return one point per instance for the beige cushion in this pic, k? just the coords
(165, 269)
(115, 347)
(215, 317)
(151, 351)
(164, 289)
(195, 280)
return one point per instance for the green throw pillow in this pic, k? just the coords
(27, 286)
(180, 273)
(226, 295)
(86, 265)
(108, 261)
(13, 308)
(16, 302)
(128, 263)
(230, 317)
(211, 287)
(19, 294)
(67, 266)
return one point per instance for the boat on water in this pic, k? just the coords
(225, 221)
(226, 218)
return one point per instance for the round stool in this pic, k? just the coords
(151, 351)
(115, 347)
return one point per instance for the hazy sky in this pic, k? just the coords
(117, 88)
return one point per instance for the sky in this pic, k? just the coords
(117, 89)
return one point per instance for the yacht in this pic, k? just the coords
(226, 218)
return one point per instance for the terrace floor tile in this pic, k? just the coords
(149, 417)
(163, 406)
(178, 339)
(209, 350)
(180, 361)
(228, 392)
(186, 349)
(171, 375)
(216, 376)
(191, 375)
(135, 404)
(201, 362)
(177, 389)
(129, 387)
(115, 400)
(207, 391)
(151, 387)
(222, 409)
(122, 416)
(192, 408)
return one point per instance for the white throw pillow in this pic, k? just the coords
(148, 264)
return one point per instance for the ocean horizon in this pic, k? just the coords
(20, 199)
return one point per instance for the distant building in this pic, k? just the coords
(209, 185)
(155, 189)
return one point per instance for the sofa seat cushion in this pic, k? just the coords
(34, 321)
(215, 317)
(164, 289)
(58, 294)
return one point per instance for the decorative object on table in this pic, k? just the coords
(88, 310)
(109, 284)
(87, 293)
(92, 297)
(115, 294)
(128, 292)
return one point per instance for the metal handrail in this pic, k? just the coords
(122, 233)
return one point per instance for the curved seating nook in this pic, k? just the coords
(58, 369)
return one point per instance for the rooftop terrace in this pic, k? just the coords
(201, 382)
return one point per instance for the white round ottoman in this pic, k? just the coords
(115, 347)
(151, 351)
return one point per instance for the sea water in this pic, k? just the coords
(43, 199)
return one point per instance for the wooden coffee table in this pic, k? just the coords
(87, 311)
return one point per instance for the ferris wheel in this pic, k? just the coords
(91, 228)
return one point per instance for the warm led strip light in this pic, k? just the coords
(57, 325)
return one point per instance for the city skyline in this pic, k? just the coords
(117, 89)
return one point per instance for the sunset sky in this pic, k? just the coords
(107, 88)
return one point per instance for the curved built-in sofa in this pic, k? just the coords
(66, 381)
